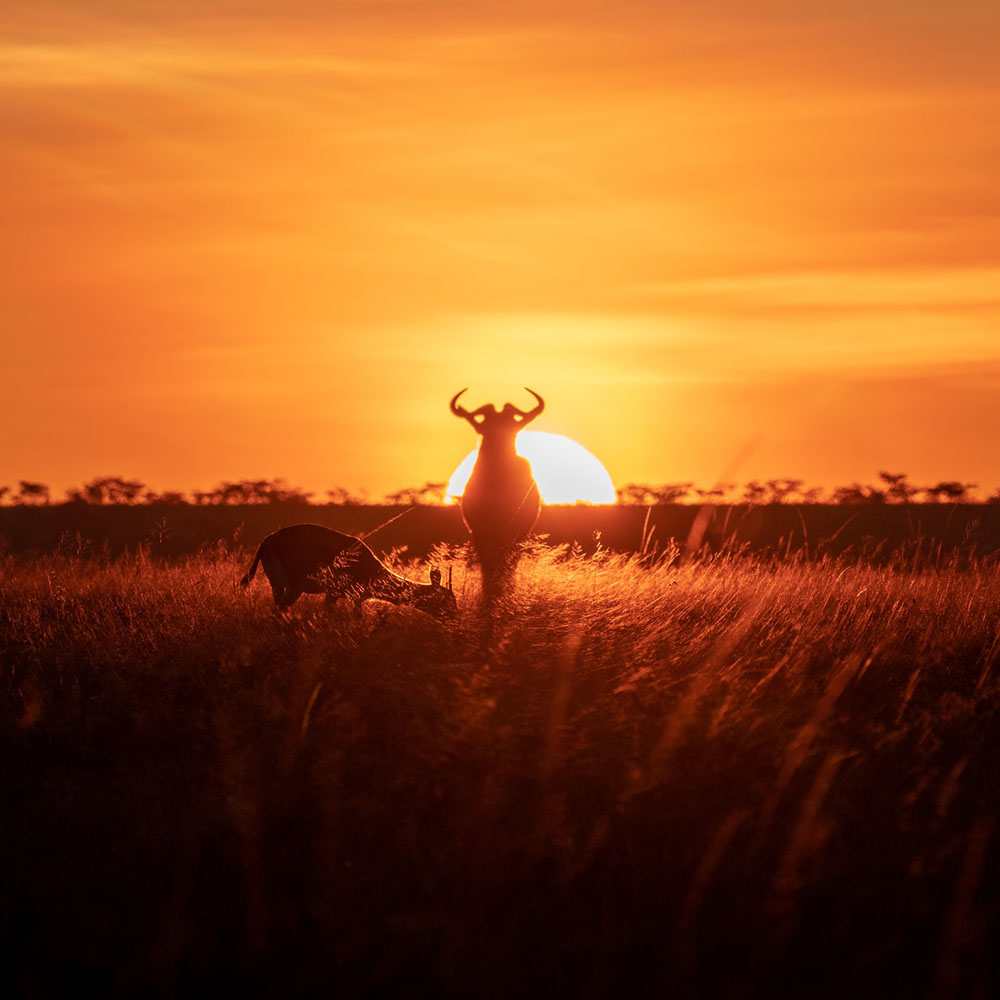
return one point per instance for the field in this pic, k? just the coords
(925, 534)
(736, 775)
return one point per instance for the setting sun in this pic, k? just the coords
(564, 470)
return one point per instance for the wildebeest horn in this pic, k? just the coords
(459, 411)
(531, 414)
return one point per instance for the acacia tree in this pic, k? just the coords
(635, 494)
(716, 494)
(781, 489)
(898, 487)
(251, 491)
(754, 492)
(645, 495)
(125, 490)
(233, 493)
(857, 493)
(93, 492)
(671, 492)
(171, 497)
(32, 493)
(280, 492)
(340, 497)
(107, 489)
(951, 490)
(428, 494)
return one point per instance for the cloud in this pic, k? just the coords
(823, 291)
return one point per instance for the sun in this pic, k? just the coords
(564, 470)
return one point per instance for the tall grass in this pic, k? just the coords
(728, 776)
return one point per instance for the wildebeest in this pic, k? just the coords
(501, 501)
(311, 559)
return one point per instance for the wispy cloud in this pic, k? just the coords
(822, 291)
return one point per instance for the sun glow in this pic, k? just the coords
(564, 470)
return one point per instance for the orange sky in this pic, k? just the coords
(250, 239)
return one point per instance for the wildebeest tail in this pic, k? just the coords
(248, 575)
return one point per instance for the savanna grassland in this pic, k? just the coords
(732, 776)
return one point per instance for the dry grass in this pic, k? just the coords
(732, 777)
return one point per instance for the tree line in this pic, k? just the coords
(893, 487)
(113, 490)
(890, 488)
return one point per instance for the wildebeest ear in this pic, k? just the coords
(436, 577)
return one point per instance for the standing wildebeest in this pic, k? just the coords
(311, 559)
(501, 502)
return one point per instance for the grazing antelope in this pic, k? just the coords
(311, 559)
(501, 502)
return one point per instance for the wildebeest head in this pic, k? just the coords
(487, 420)
(437, 599)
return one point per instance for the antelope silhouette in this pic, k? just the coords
(501, 502)
(311, 559)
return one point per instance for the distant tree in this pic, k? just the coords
(857, 493)
(259, 490)
(403, 497)
(950, 490)
(252, 491)
(248, 491)
(171, 497)
(671, 492)
(107, 489)
(636, 494)
(340, 497)
(433, 493)
(94, 491)
(716, 494)
(4, 490)
(233, 493)
(125, 490)
(898, 487)
(994, 497)
(281, 492)
(782, 490)
(644, 494)
(428, 494)
(32, 493)
(931, 494)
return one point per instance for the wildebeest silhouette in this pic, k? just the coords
(501, 501)
(311, 559)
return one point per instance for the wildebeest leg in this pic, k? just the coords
(497, 568)
(336, 586)
(278, 579)
(288, 598)
(357, 609)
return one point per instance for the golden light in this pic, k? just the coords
(564, 470)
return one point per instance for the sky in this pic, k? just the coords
(722, 240)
